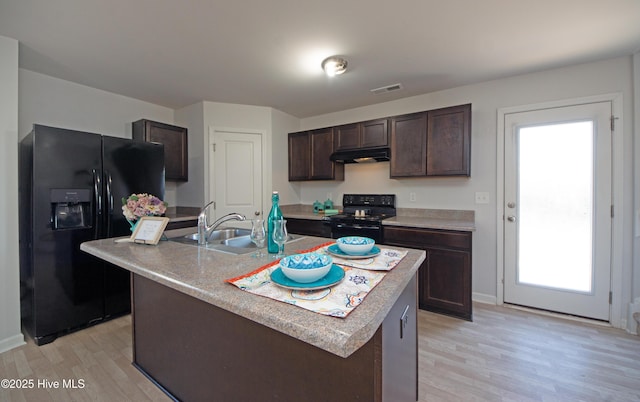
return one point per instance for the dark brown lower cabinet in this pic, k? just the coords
(195, 351)
(308, 227)
(183, 224)
(444, 279)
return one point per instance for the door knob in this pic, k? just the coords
(511, 218)
(257, 213)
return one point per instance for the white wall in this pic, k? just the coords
(282, 125)
(191, 193)
(59, 103)
(608, 76)
(201, 117)
(10, 335)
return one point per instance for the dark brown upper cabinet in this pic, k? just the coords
(432, 143)
(299, 156)
(449, 141)
(309, 153)
(409, 145)
(347, 136)
(368, 134)
(174, 138)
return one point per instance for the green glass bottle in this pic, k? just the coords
(274, 214)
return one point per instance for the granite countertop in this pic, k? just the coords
(301, 211)
(446, 219)
(201, 272)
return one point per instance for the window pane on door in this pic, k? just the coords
(555, 206)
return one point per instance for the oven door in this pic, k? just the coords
(373, 231)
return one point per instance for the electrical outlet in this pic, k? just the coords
(482, 198)
(412, 197)
(329, 196)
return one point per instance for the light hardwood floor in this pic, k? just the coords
(512, 355)
(503, 355)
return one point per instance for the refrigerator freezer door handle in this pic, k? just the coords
(108, 183)
(97, 186)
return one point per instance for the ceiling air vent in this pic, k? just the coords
(388, 88)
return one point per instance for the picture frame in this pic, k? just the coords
(149, 230)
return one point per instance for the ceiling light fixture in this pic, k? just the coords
(334, 65)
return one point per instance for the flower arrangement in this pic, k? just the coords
(138, 205)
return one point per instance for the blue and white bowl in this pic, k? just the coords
(306, 268)
(355, 245)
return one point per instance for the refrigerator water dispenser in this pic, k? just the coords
(70, 208)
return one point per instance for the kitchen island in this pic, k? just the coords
(200, 338)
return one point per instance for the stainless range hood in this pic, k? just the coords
(361, 155)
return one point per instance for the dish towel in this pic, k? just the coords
(336, 301)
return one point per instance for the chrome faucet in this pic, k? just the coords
(205, 230)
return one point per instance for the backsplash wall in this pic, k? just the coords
(373, 178)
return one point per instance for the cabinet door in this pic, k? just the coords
(400, 348)
(448, 278)
(374, 133)
(299, 156)
(321, 149)
(449, 141)
(347, 136)
(444, 277)
(409, 145)
(174, 138)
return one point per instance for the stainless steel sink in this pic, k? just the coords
(232, 240)
(240, 241)
(221, 234)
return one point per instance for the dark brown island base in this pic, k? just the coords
(201, 339)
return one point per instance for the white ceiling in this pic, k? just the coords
(268, 52)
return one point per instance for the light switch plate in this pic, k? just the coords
(482, 198)
(412, 197)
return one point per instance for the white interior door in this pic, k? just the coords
(235, 171)
(557, 209)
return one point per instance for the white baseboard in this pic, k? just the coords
(11, 342)
(483, 298)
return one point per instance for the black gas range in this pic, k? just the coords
(362, 215)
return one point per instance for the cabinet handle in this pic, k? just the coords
(404, 318)
(511, 218)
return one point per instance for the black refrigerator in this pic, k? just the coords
(71, 185)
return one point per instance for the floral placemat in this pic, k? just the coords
(336, 301)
